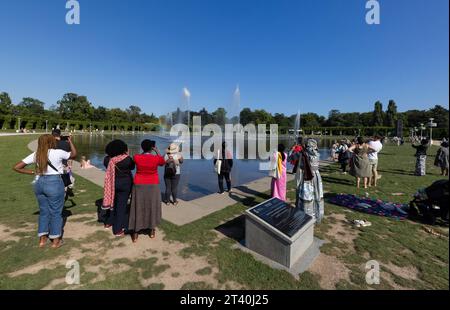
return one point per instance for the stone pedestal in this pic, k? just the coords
(278, 231)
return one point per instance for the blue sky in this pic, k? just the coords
(312, 55)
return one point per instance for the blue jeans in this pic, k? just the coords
(49, 191)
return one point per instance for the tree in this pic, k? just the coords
(335, 119)
(134, 113)
(101, 114)
(262, 117)
(117, 115)
(75, 107)
(378, 114)
(219, 116)
(31, 106)
(5, 103)
(391, 114)
(246, 116)
(309, 120)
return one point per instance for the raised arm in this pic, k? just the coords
(73, 150)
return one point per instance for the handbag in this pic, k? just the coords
(65, 176)
(218, 164)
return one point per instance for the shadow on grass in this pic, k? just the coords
(397, 171)
(234, 229)
(334, 180)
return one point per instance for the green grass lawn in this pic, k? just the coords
(409, 256)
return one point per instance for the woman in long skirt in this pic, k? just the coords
(309, 183)
(145, 211)
(279, 178)
(421, 157)
(360, 166)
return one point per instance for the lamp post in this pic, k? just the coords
(18, 125)
(46, 126)
(431, 125)
(421, 130)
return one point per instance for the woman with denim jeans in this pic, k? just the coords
(48, 186)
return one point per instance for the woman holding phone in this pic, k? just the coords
(145, 211)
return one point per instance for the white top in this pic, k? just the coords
(376, 146)
(176, 157)
(55, 157)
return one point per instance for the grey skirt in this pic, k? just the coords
(145, 210)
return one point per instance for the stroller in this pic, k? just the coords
(431, 203)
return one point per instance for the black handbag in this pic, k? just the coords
(65, 176)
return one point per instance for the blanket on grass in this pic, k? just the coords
(371, 206)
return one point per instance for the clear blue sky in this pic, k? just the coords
(312, 55)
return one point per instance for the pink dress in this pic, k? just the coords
(279, 184)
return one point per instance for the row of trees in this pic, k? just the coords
(74, 107)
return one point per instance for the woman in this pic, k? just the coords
(226, 165)
(441, 159)
(172, 172)
(145, 211)
(48, 187)
(309, 186)
(118, 183)
(278, 186)
(294, 154)
(359, 164)
(333, 150)
(421, 157)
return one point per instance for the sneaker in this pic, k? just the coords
(220, 193)
(121, 234)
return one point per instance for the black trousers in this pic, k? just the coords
(221, 176)
(171, 187)
(294, 170)
(118, 217)
(344, 166)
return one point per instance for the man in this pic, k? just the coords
(376, 147)
(65, 146)
(60, 144)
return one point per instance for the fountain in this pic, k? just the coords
(297, 125)
(187, 99)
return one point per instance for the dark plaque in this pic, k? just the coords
(281, 216)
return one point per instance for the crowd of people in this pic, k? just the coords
(132, 204)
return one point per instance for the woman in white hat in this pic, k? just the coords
(172, 173)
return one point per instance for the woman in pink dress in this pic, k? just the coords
(279, 177)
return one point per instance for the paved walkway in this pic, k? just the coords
(192, 210)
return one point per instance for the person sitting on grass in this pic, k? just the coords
(48, 186)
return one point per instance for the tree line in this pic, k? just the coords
(75, 107)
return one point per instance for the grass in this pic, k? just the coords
(402, 244)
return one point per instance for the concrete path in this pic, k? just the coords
(192, 210)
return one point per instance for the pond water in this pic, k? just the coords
(198, 177)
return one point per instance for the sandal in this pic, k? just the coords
(57, 243)
(120, 234)
(152, 234)
(43, 241)
(134, 237)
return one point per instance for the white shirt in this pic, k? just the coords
(55, 157)
(376, 146)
